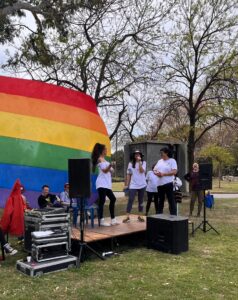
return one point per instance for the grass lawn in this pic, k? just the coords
(226, 186)
(207, 271)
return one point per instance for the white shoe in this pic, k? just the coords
(114, 222)
(103, 223)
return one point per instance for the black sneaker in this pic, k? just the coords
(9, 250)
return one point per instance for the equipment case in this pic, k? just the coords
(49, 251)
(46, 219)
(35, 269)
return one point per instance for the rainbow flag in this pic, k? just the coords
(41, 127)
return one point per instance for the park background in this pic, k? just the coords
(158, 70)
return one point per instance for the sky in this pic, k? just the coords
(29, 21)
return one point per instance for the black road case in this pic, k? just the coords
(46, 219)
(49, 251)
(35, 269)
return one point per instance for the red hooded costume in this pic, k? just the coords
(13, 216)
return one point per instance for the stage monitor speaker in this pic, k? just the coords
(79, 177)
(205, 176)
(167, 233)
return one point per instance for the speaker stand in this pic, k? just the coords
(203, 225)
(83, 246)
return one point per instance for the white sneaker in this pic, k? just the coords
(114, 222)
(103, 223)
(9, 250)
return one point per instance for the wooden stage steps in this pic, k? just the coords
(102, 233)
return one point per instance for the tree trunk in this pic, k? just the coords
(191, 142)
(219, 175)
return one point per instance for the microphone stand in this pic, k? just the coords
(82, 244)
(203, 225)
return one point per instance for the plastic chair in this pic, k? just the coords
(87, 209)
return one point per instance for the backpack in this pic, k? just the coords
(209, 200)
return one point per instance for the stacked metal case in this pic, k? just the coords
(48, 240)
(49, 219)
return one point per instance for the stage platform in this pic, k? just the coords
(97, 233)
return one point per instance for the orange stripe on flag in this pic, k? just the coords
(52, 111)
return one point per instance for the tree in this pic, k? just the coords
(47, 14)
(106, 51)
(118, 157)
(201, 60)
(220, 157)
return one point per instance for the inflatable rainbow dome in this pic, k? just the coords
(42, 126)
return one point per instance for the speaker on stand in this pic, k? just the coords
(79, 172)
(205, 183)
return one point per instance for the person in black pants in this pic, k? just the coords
(5, 245)
(165, 169)
(104, 183)
(152, 191)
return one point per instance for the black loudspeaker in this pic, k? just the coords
(205, 176)
(167, 233)
(79, 177)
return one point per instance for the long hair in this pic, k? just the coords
(133, 160)
(97, 151)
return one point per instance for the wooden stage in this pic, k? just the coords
(97, 233)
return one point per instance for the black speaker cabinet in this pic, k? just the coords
(79, 177)
(167, 233)
(205, 176)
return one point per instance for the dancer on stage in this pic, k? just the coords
(136, 182)
(152, 190)
(104, 183)
(165, 169)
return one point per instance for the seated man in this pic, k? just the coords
(7, 248)
(64, 196)
(48, 200)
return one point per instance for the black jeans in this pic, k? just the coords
(167, 189)
(103, 193)
(2, 238)
(150, 196)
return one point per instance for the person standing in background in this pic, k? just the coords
(166, 169)
(136, 182)
(196, 192)
(104, 183)
(152, 191)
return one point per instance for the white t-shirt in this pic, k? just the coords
(104, 180)
(165, 166)
(152, 182)
(137, 179)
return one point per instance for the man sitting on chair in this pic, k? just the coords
(48, 200)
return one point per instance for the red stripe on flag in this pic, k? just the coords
(46, 91)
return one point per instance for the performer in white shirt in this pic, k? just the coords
(165, 169)
(104, 183)
(136, 182)
(152, 191)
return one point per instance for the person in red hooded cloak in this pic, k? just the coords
(12, 221)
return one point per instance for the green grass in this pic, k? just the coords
(226, 186)
(207, 271)
(117, 186)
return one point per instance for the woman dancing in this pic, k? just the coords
(104, 183)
